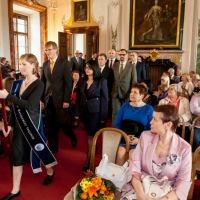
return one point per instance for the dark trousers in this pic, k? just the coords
(56, 119)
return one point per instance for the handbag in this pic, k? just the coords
(152, 186)
(110, 171)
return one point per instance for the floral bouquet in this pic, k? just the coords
(94, 188)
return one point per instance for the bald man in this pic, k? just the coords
(111, 58)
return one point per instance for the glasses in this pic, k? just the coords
(88, 68)
(48, 50)
(122, 54)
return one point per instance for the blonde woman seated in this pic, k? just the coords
(163, 87)
(183, 107)
(160, 152)
(137, 111)
(185, 87)
(194, 78)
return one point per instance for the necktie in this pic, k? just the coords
(121, 68)
(51, 66)
(78, 60)
(111, 63)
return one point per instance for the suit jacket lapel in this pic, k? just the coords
(48, 69)
(126, 68)
(117, 71)
(149, 154)
(55, 68)
(92, 88)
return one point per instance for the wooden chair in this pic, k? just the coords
(195, 158)
(111, 138)
(183, 126)
(6, 142)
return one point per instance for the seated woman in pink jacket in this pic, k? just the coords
(160, 152)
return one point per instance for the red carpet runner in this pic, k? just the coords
(67, 172)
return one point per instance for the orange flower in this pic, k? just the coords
(103, 187)
(92, 191)
(84, 195)
(97, 181)
(108, 193)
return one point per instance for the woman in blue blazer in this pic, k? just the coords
(92, 103)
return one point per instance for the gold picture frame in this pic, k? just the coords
(156, 24)
(81, 10)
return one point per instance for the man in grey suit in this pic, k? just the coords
(125, 76)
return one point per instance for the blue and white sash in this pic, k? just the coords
(34, 136)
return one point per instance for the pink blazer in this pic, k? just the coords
(178, 170)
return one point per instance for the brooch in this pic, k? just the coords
(173, 159)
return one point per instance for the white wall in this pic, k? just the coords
(4, 30)
(116, 13)
(34, 36)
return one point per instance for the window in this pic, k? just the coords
(20, 23)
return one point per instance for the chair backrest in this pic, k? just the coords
(111, 138)
(195, 157)
(183, 126)
(195, 168)
(194, 122)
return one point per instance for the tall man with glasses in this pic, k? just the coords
(124, 77)
(56, 77)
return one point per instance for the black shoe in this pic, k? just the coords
(85, 168)
(48, 179)
(11, 196)
(75, 124)
(74, 141)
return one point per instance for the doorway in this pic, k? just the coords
(84, 39)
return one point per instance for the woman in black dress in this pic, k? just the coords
(92, 103)
(28, 99)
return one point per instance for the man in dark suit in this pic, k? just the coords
(173, 78)
(124, 77)
(108, 74)
(77, 62)
(4, 68)
(57, 80)
(140, 67)
(94, 56)
(81, 56)
(111, 58)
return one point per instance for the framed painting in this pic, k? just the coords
(81, 10)
(156, 24)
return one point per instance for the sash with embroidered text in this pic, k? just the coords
(34, 135)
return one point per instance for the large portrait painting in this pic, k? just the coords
(156, 24)
(80, 10)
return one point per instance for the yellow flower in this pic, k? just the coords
(93, 186)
